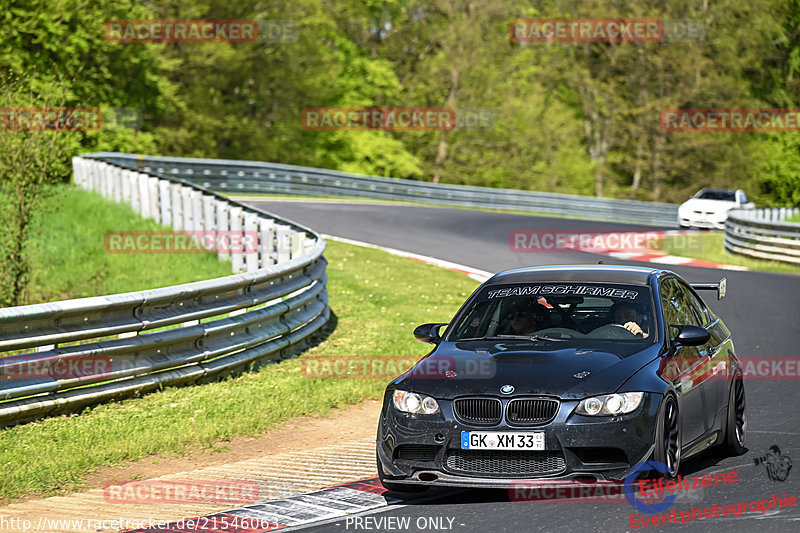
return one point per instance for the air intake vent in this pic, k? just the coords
(479, 411)
(505, 463)
(416, 452)
(531, 411)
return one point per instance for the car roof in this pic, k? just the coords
(579, 273)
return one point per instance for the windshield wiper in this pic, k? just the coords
(532, 337)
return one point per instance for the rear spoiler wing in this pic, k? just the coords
(721, 287)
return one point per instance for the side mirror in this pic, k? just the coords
(429, 333)
(691, 336)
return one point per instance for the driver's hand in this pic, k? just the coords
(634, 328)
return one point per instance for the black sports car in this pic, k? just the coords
(564, 372)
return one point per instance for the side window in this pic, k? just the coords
(697, 308)
(678, 304)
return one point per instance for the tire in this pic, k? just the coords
(736, 420)
(399, 487)
(668, 438)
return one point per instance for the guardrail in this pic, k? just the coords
(94, 349)
(273, 178)
(764, 234)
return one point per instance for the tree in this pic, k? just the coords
(30, 163)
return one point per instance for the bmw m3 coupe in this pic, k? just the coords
(565, 372)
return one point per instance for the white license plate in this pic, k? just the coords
(481, 440)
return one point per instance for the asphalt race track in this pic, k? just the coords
(761, 309)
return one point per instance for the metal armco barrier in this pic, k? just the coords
(763, 234)
(143, 341)
(257, 177)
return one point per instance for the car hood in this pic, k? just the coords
(480, 367)
(700, 204)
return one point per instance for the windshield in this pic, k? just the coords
(716, 194)
(559, 311)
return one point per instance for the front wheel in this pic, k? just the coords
(668, 438)
(736, 423)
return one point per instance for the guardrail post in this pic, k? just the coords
(250, 241)
(177, 207)
(97, 173)
(297, 244)
(267, 241)
(107, 183)
(165, 202)
(283, 238)
(197, 213)
(77, 171)
(155, 198)
(126, 186)
(116, 184)
(89, 170)
(87, 174)
(144, 195)
(97, 180)
(223, 231)
(186, 207)
(134, 185)
(209, 222)
(236, 242)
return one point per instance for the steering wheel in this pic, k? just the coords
(616, 331)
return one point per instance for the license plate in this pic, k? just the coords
(480, 440)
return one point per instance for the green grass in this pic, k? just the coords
(795, 218)
(70, 260)
(377, 298)
(710, 246)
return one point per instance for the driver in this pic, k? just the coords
(628, 316)
(528, 316)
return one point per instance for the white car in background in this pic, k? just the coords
(708, 208)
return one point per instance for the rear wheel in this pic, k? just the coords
(736, 424)
(668, 438)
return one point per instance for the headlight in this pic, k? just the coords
(411, 402)
(611, 404)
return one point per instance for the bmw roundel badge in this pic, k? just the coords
(507, 389)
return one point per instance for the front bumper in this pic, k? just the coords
(696, 220)
(426, 450)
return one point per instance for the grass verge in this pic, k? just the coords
(70, 260)
(710, 246)
(377, 298)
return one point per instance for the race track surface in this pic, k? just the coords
(761, 309)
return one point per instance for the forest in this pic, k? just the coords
(559, 115)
